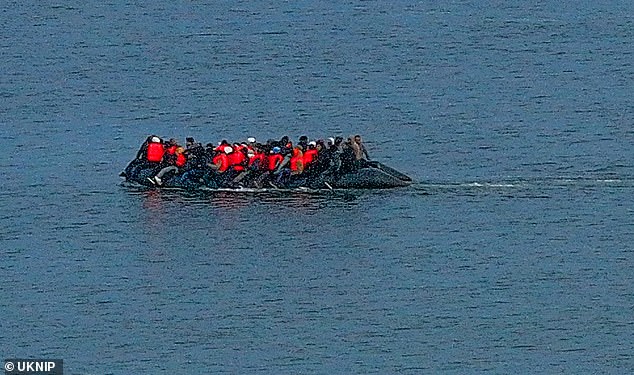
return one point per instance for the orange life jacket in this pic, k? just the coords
(236, 159)
(274, 161)
(221, 147)
(171, 149)
(180, 160)
(309, 156)
(155, 152)
(257, 158)
(223, 160)
(297, 161)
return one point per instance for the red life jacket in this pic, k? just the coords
(274, 161)
(258, 158)
(297, 161)
(221, 147)
(155, 152)
(309, 156)
(180, 160)
(236, 159)
(171, 149)
(223, 160)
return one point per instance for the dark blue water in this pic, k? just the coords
(512, 252)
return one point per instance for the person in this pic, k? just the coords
(257, 159)
(155, 150)
(275, 159)
(315, 165)
(237, 158)
(171, 146)
(179, 160)
(297, 161)
(189, 142)
(286, 151)
(350, 143)
(303, 141)
(196, 156)
(363, 152)
(255, 165)
(272, 163)
(220, 162)
(221, 146)
(347, 157)
(310, 155)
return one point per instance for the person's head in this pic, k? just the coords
(173, 142)
(338, 141)
(312, 144)
(251, 140)
(180, 150)
(155, 139)
(284, 140)
(357, 138)
(228, 150)
(303, 139)
(276, 150)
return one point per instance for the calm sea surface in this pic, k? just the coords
(512, 253)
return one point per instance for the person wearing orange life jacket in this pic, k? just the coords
(220, 162)
(179, 160)
(238, 159)
(310, 155)
(222, 145)
(155, 150)
(257, 159)
(171, 146)
(297, 161)
(274, 159)
(270, 163)
(253, 165)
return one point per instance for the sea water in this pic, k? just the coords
(511, 253)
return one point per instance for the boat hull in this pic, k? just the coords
(372, 176)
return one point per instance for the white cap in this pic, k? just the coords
(312, 143)
(331, 140)
(228, 150)
(251, 140)
(156, 139)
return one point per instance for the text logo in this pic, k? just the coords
(33, 367)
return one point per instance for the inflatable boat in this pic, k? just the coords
(372, 175)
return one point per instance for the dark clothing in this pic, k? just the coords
(348, 159)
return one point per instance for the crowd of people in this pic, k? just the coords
(275, 162)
